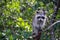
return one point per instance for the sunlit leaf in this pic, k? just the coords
(10, 37)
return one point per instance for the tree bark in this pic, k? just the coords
(37, 37)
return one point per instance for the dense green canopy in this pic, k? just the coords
(16, 19)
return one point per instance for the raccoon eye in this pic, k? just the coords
(43, 17)
(38, 17)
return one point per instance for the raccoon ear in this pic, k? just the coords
(45, 12)
(37, 12)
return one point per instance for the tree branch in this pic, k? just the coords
(51, 25)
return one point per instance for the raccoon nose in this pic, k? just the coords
(40, 20)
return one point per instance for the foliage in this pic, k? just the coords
(16, 18)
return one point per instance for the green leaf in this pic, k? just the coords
(10, 37)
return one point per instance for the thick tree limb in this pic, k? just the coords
(37, 37)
